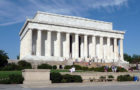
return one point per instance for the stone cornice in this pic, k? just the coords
(72, 17)
(57, 24)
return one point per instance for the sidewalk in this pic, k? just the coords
(90, 84)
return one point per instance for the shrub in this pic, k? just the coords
(68, 67)
(99, 69)
(44, 66)
(85, 68)
(16, 79)
(12, 79)
(11, 66)
(110, 76)
(55, 77)
(120, 69)
(91, 69)
(124, 78)
(54, 67)
(24, 65)
(77, 67)
(68, 78)
(102, 77)
(77, 78)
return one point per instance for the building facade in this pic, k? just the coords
(53, 37)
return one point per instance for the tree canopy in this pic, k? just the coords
(132, 59)
(3, 58)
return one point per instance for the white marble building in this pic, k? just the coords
(59, 37)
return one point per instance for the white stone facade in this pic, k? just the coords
(58, 37)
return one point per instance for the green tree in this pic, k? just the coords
(3, 58)
(127, 57)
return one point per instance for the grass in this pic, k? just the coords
(64, 70)
(5, 74)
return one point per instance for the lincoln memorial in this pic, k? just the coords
(54, 37)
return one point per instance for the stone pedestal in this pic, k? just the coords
(36, 77)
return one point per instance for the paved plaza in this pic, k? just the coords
(79, 86)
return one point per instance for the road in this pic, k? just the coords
(102, 86)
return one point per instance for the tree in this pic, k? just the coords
(127, 57)
(3, 58)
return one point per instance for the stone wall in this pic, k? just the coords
(36, 76)
(86, 76)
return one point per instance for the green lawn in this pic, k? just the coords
(5, 74)
(64, 70)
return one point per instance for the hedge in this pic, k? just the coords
(14, 67)
(56, 77)
(97, 69)
(47, 66)
(125, 78)
(12, 79)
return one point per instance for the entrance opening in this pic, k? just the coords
(70, 45)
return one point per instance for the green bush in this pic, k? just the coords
(77, 78)
(91, 69)
(11, 67)
(16, 79)
(55, 77)
(12, 79)
(110, 76)
(120, 69)
(71, 78)
(99, 69)
(85, 68)
(44, 66)
(54, 67)
(125, 78)
(102, 77)
(77, 67)
(24, 65)
(68, 67)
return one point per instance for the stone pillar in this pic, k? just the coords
(38, 50)
(85, 46)
(58, 44)
(67, 45)
(108, 48)
(82, 47)
(48, 46)
(115, 48)
(121, 49)
(76, 46)
(101, 48)
(30, 41)
(93, 46)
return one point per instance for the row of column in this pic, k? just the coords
(49, 46)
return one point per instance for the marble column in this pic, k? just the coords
(115, 48)
(38, 49)
(101, 47)
(76, 46)
(121, 49)
(85, 46)
(82, 47)
(108, 48)
(67, 45)
(48, 46)
(58, 44)
(30, 41)
(93, 46)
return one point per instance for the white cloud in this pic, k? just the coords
(12, 12)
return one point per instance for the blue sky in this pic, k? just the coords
(124, 14)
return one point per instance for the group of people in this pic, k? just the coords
(114, 68)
